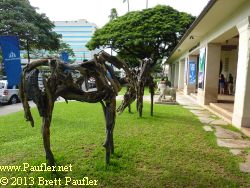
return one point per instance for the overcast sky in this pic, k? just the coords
(97, 11)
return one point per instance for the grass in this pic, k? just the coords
(170, 149)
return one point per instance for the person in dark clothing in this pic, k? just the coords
(230, 84)
(222, 84)
(168, 83)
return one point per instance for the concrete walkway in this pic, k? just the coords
(236, 142)
(8, 109)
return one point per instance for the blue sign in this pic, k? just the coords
(65, 57)
(11, 59)
(192, 72)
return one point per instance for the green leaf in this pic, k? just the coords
(21, 19)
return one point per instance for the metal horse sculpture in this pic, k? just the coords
(67, 81)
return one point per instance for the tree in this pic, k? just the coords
(19, 18)
(64, 47)
(40, 53)
(113, 14)
(127, 2)
(150, 34)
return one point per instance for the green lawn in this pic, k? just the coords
(170, 149)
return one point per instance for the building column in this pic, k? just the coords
(209, 93)
(241, 114)
(181, 75)
(172, 75)
(169, 74)
(190, 84)
(176, 74)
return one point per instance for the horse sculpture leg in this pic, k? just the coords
(140, 98)
(129, 105)
(109, 112)
(129, 108)
(46, 140)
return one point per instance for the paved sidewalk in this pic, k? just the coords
(237, 143)
(8, 109)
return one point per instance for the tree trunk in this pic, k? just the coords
(152, 92)
(28, 50)
(152, 105)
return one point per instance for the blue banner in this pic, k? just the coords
(11, 59)
(192, 72)
(65, 57)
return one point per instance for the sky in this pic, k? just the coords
(97, 11)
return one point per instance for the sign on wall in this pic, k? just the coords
(202, 61)
(192, 73)
(64, 57)
(11, 59)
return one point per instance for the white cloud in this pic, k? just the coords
(97, 11)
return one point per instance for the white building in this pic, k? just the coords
(218, 42)
(77, 34)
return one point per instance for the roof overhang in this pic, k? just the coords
(212, 15)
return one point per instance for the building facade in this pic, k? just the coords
(218, 42)
(77, 34)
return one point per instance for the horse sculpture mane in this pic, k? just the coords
(66, 81)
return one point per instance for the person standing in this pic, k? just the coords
(162, 87)
(168, 83)
(230, 84)
(222, 84)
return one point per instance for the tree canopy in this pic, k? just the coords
(150, 33)
(64, 47)
(18, 17)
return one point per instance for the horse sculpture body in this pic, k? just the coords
(67, 81)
